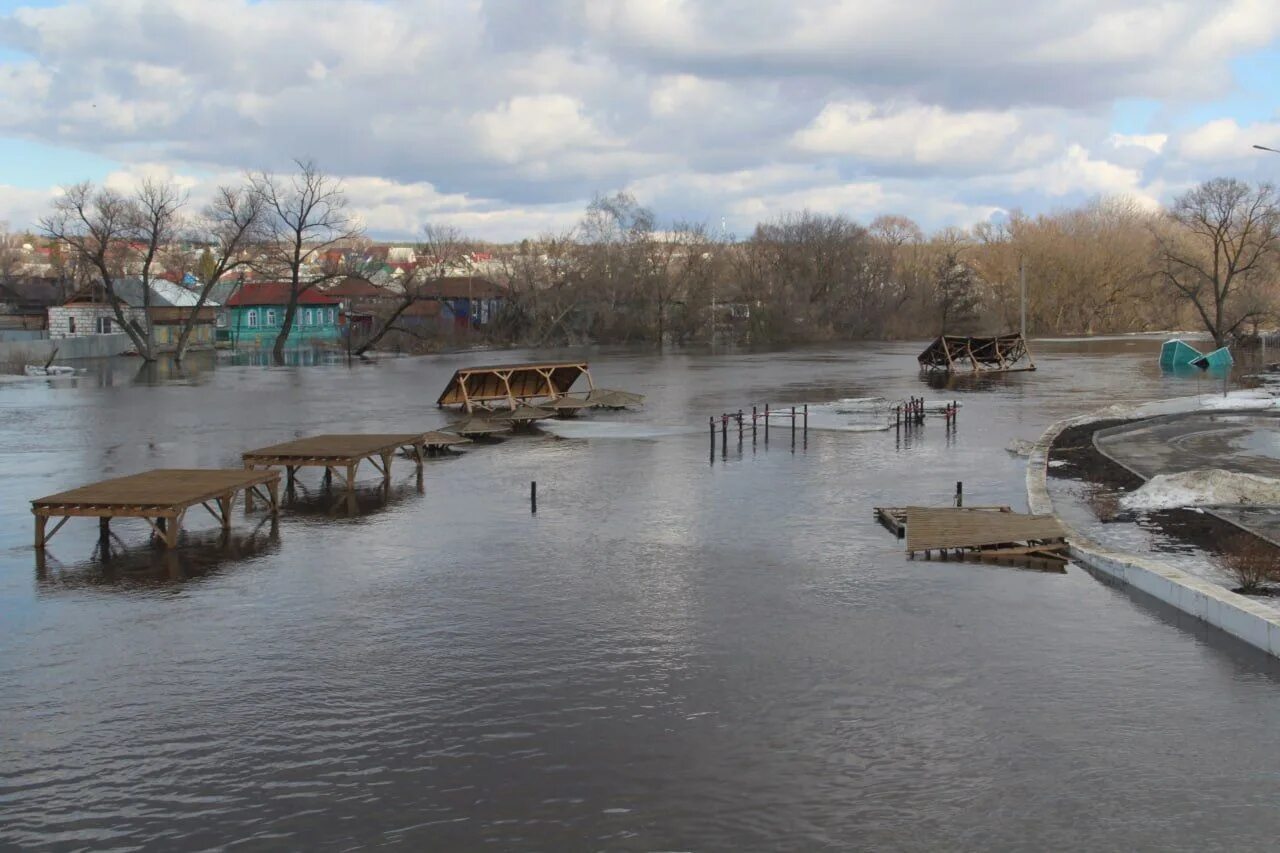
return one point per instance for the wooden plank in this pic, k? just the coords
(930, 529)
(342, 448)
(165, 490)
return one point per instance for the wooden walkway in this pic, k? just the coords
(162, 497)
(985, 535)
(894, 518)
(346, 452)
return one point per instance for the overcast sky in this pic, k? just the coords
(504, 117)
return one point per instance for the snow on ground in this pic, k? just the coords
(1210, 487)
(1254, 399)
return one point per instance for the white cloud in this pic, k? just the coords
(1153, 142)
(515, 112)
(926, 135)
(1226, 140)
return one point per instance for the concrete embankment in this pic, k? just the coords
(1239, 616)
(88, 346)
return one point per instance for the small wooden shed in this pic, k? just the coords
(506, 386)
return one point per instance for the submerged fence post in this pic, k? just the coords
(753, 424)
(533, 496)
(766, 423)
(959, 494)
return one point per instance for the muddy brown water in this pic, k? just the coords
(672, 654)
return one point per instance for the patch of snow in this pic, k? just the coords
(1210, 487)
(1253, 398)
(1021, 447)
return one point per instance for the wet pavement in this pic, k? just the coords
(1246, 442)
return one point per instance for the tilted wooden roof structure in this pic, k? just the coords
(506, 386)
(956, 353)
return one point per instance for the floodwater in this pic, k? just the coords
(677, 652)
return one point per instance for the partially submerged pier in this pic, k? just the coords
(345, 453)
(987, 534)
(161, 497)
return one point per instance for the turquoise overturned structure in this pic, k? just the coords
(1177, 354)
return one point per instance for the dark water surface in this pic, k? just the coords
(670, 655)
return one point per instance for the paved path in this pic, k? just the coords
(1233, 441)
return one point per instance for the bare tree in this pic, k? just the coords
(304, 215)
(1216, 248)
(94, 225)
(230, 226)
(444, 250)
(155, 219)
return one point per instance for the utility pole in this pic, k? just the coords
(1022, 278)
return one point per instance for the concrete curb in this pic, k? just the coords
(1237, 615)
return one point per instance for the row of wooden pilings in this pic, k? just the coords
(910, 412)
(798, 416)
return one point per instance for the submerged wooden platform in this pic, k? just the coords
(162, 497)
(1000, 537)
(894, 518)
(346, 452)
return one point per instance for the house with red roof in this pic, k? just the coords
(255, 315)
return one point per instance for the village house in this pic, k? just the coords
(89, 312)
(25, 302)
(465, 301)
(256, 312)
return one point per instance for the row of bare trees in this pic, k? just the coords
(1112, 265)
(619, 276)
(281, 226)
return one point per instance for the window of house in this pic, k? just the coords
(308, 317)
(252, 319)
(103, 326)
(271, 316)
(330, 316)
(71, 325)
(222, 319)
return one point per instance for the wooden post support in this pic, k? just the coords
(104, 528)
(224, 507)
(328, 477)
(959, 494)
(533, 496)
(386, 467)
(273, 488)
(41, 521)
(351, 475)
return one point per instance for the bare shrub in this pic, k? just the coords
(1252, 566)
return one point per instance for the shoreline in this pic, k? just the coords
(1238, 615)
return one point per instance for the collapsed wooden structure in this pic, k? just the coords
(987, 534)
(161, 497)
(506, 386)
(502, 397)
(345, 453)
(956, 354)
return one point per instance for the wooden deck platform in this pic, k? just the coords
(346, 452)
(894, 518)
(988, 536)
(162, 497)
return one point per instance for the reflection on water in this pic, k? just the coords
(668, 655)
(115, 563)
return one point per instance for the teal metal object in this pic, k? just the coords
(1216, 360)
(1175, 354)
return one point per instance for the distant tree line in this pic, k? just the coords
(622, 276)
(1208, 261)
